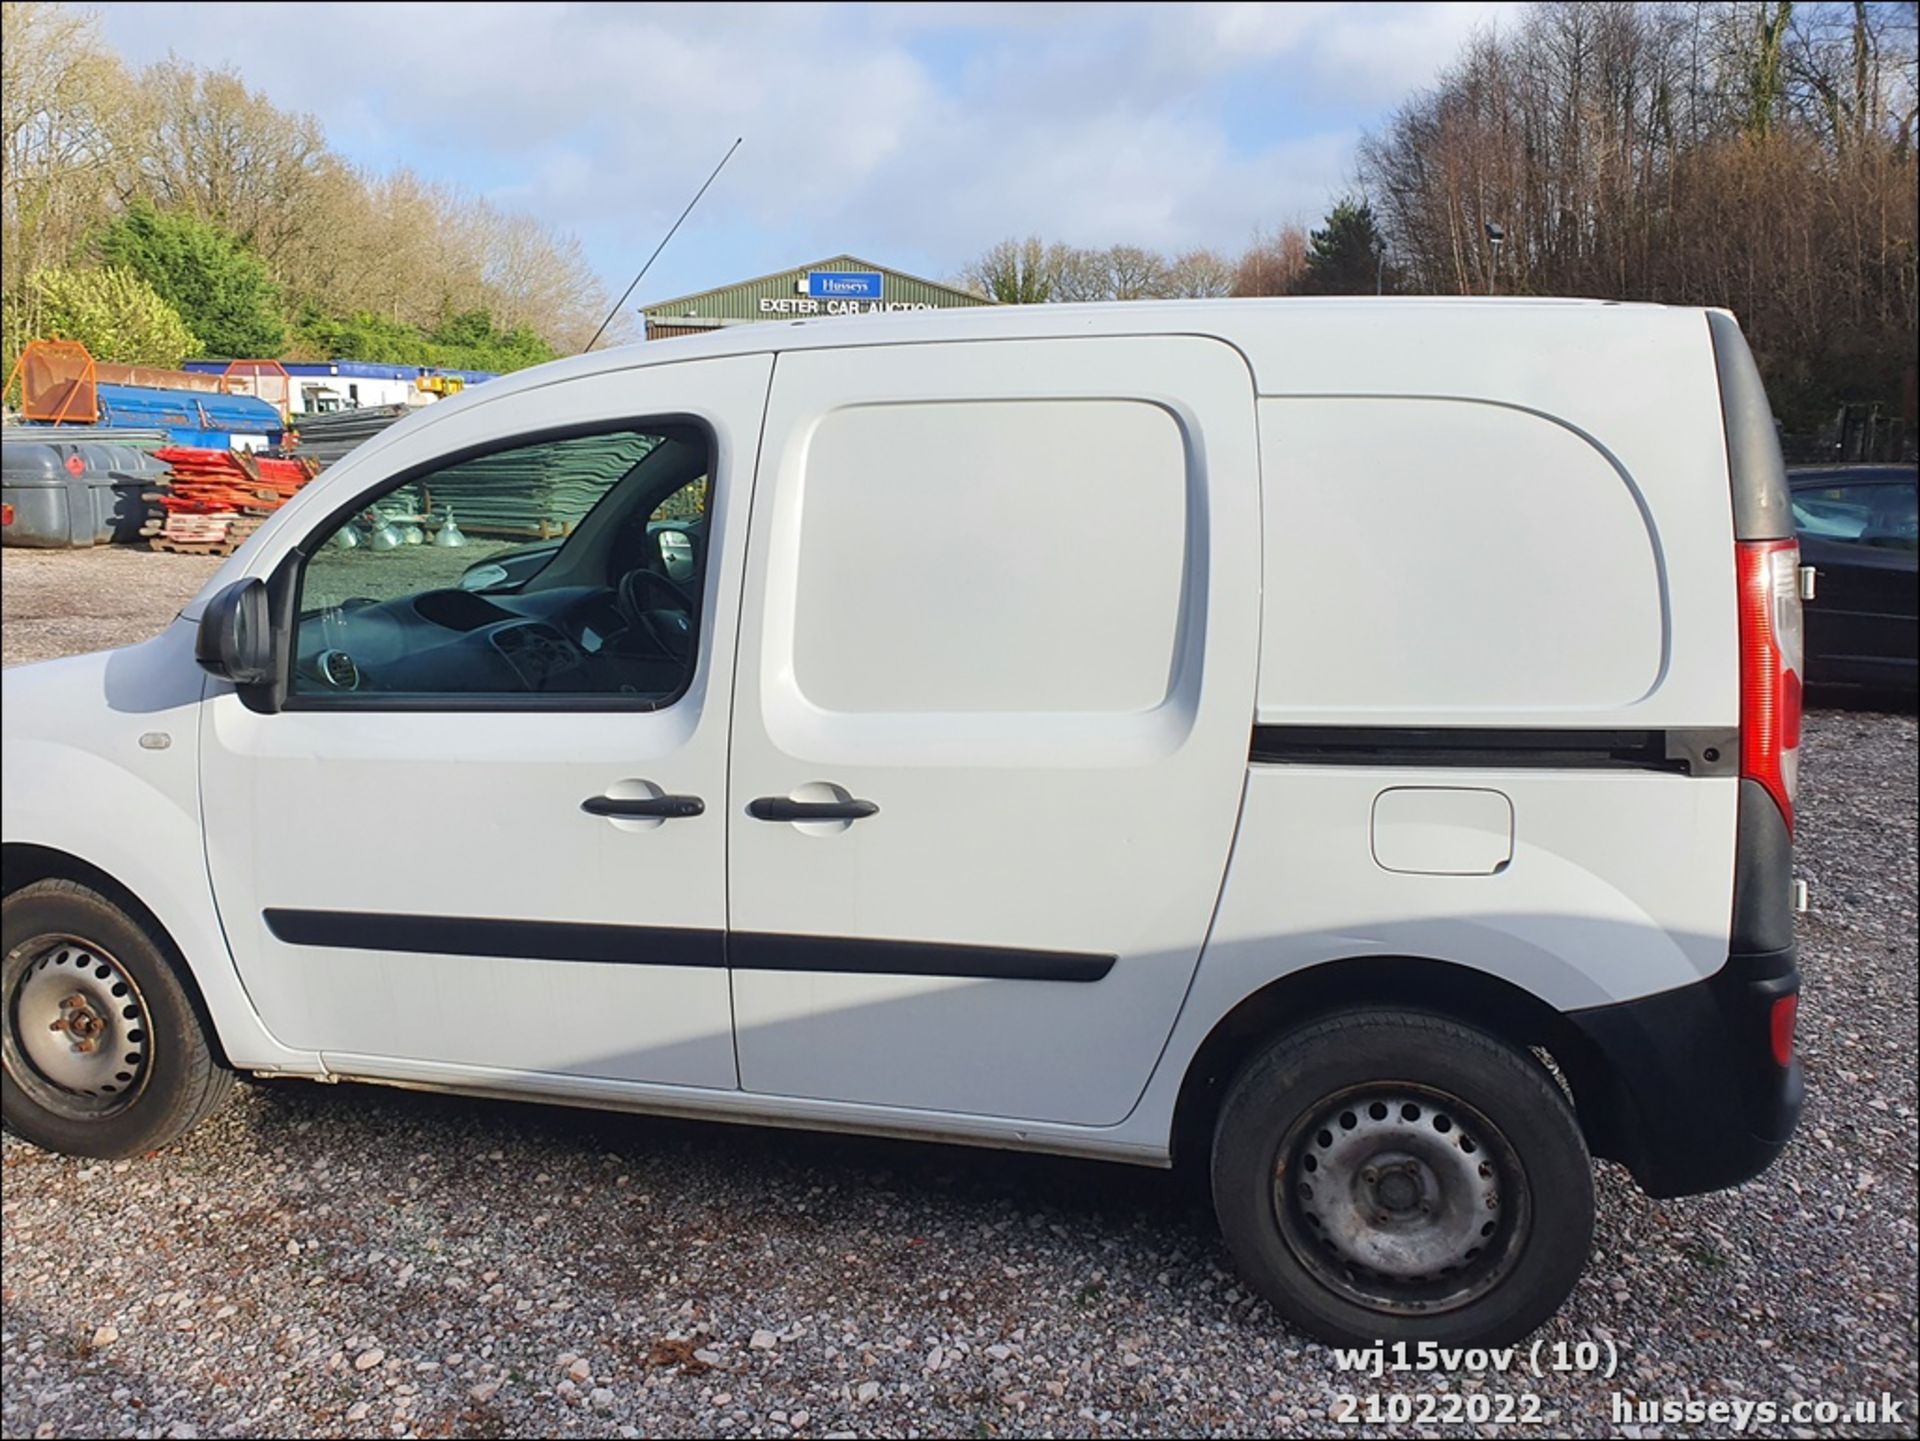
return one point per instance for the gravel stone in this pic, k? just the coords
(63, 602)
(1062, 1297)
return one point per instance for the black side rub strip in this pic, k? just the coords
(1703, 751)
(760, 951)
(521, 940)
(668, 946)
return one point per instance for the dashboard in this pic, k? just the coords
(562, 640)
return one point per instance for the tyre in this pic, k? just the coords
(1398, 1176)
(104, 1053)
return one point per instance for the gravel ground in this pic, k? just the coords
(63, 602)
(350, 1260)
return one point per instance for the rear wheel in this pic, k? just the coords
(1394, 1175)
(101, 1050)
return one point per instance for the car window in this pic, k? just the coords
(559, 568)
(1879, 513)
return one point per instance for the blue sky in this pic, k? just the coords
(911, 135)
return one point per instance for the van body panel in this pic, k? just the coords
(1003, 593)
(1462, 347)
(79, 781)
(368, 819)
(1433, 559)
(1170, 524)
(1612, 890)
(1535, 530)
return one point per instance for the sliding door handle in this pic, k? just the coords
(657, 808)
(780, 808)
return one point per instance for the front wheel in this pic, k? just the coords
(103, 1052)
(1398, 1176)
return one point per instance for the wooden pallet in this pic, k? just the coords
(192, 547)
(210, 541)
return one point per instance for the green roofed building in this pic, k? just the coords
(843, 285)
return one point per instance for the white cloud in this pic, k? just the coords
(913, 132)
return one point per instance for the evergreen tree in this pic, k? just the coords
(221, 289)
(1348, 255)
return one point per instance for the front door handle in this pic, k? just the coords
(780, 808)
(667, 808)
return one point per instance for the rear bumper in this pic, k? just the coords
(1697, 1101)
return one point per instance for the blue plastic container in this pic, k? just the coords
(193, 417)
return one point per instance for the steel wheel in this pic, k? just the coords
(1401, 1198)
(77, 1036)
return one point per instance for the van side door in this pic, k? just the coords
(992, 713)
(483, 840)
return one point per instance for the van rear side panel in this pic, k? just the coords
(1497, 517)
(1499, 684)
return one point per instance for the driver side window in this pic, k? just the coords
(559, 568)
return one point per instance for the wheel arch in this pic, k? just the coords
(1460, 992)
(23, 863)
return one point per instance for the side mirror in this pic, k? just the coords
(482, 576)
(676, 553)
(236, 634)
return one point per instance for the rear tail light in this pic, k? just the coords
(6, 514)
(1770, 666)
(1786, 1010)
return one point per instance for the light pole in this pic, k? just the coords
(1494, 236)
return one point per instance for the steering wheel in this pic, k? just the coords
(627, 598)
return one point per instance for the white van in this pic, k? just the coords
(1274, 729)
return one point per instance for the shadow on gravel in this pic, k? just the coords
(758, 1156)
(101, 1370)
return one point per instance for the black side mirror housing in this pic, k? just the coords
(235, 641)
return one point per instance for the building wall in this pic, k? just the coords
(358, 383)
(355, 391)
(783, 297)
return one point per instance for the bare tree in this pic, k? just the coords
(1743, 154)
(1200, 275)
(1014, 272)
(1137, 273)
(1272, 264)
(82, 138)
(1081, 274)
(66, 113)
(228, 154)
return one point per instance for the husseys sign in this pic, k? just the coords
(838, 292)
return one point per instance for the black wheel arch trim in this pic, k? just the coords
(1695, 1099)
(1625, 1063)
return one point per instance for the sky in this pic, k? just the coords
(913, 136)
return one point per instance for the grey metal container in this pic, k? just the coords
(64, 494)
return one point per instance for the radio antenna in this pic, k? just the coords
(663, 244)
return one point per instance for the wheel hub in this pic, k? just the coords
(1393, 1195)
(78, 1021)
(1398, 1185)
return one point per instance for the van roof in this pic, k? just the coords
(1255, 326)
(1581, 362)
